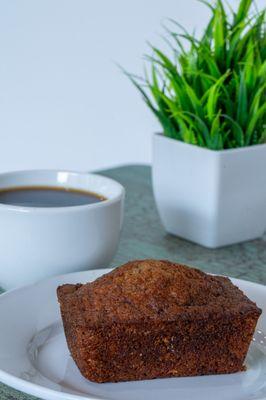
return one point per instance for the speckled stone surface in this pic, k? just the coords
(144, 237)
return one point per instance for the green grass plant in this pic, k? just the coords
(211, 92)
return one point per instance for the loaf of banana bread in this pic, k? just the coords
(150, 318)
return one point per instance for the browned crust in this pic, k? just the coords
(151, 318)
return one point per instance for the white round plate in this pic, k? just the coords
(34, 357)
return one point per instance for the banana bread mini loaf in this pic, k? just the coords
(149, 319)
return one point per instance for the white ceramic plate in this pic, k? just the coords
(34, 357)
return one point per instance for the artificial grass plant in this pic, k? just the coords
(212, 93)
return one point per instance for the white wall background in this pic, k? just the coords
(63, 101)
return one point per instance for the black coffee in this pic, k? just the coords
(45, 196)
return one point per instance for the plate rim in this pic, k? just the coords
(40, 391)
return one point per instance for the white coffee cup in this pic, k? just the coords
(38, 242)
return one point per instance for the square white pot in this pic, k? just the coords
(214, 198)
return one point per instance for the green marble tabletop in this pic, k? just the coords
(144, 237)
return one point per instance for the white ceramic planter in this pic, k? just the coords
(214, 198)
